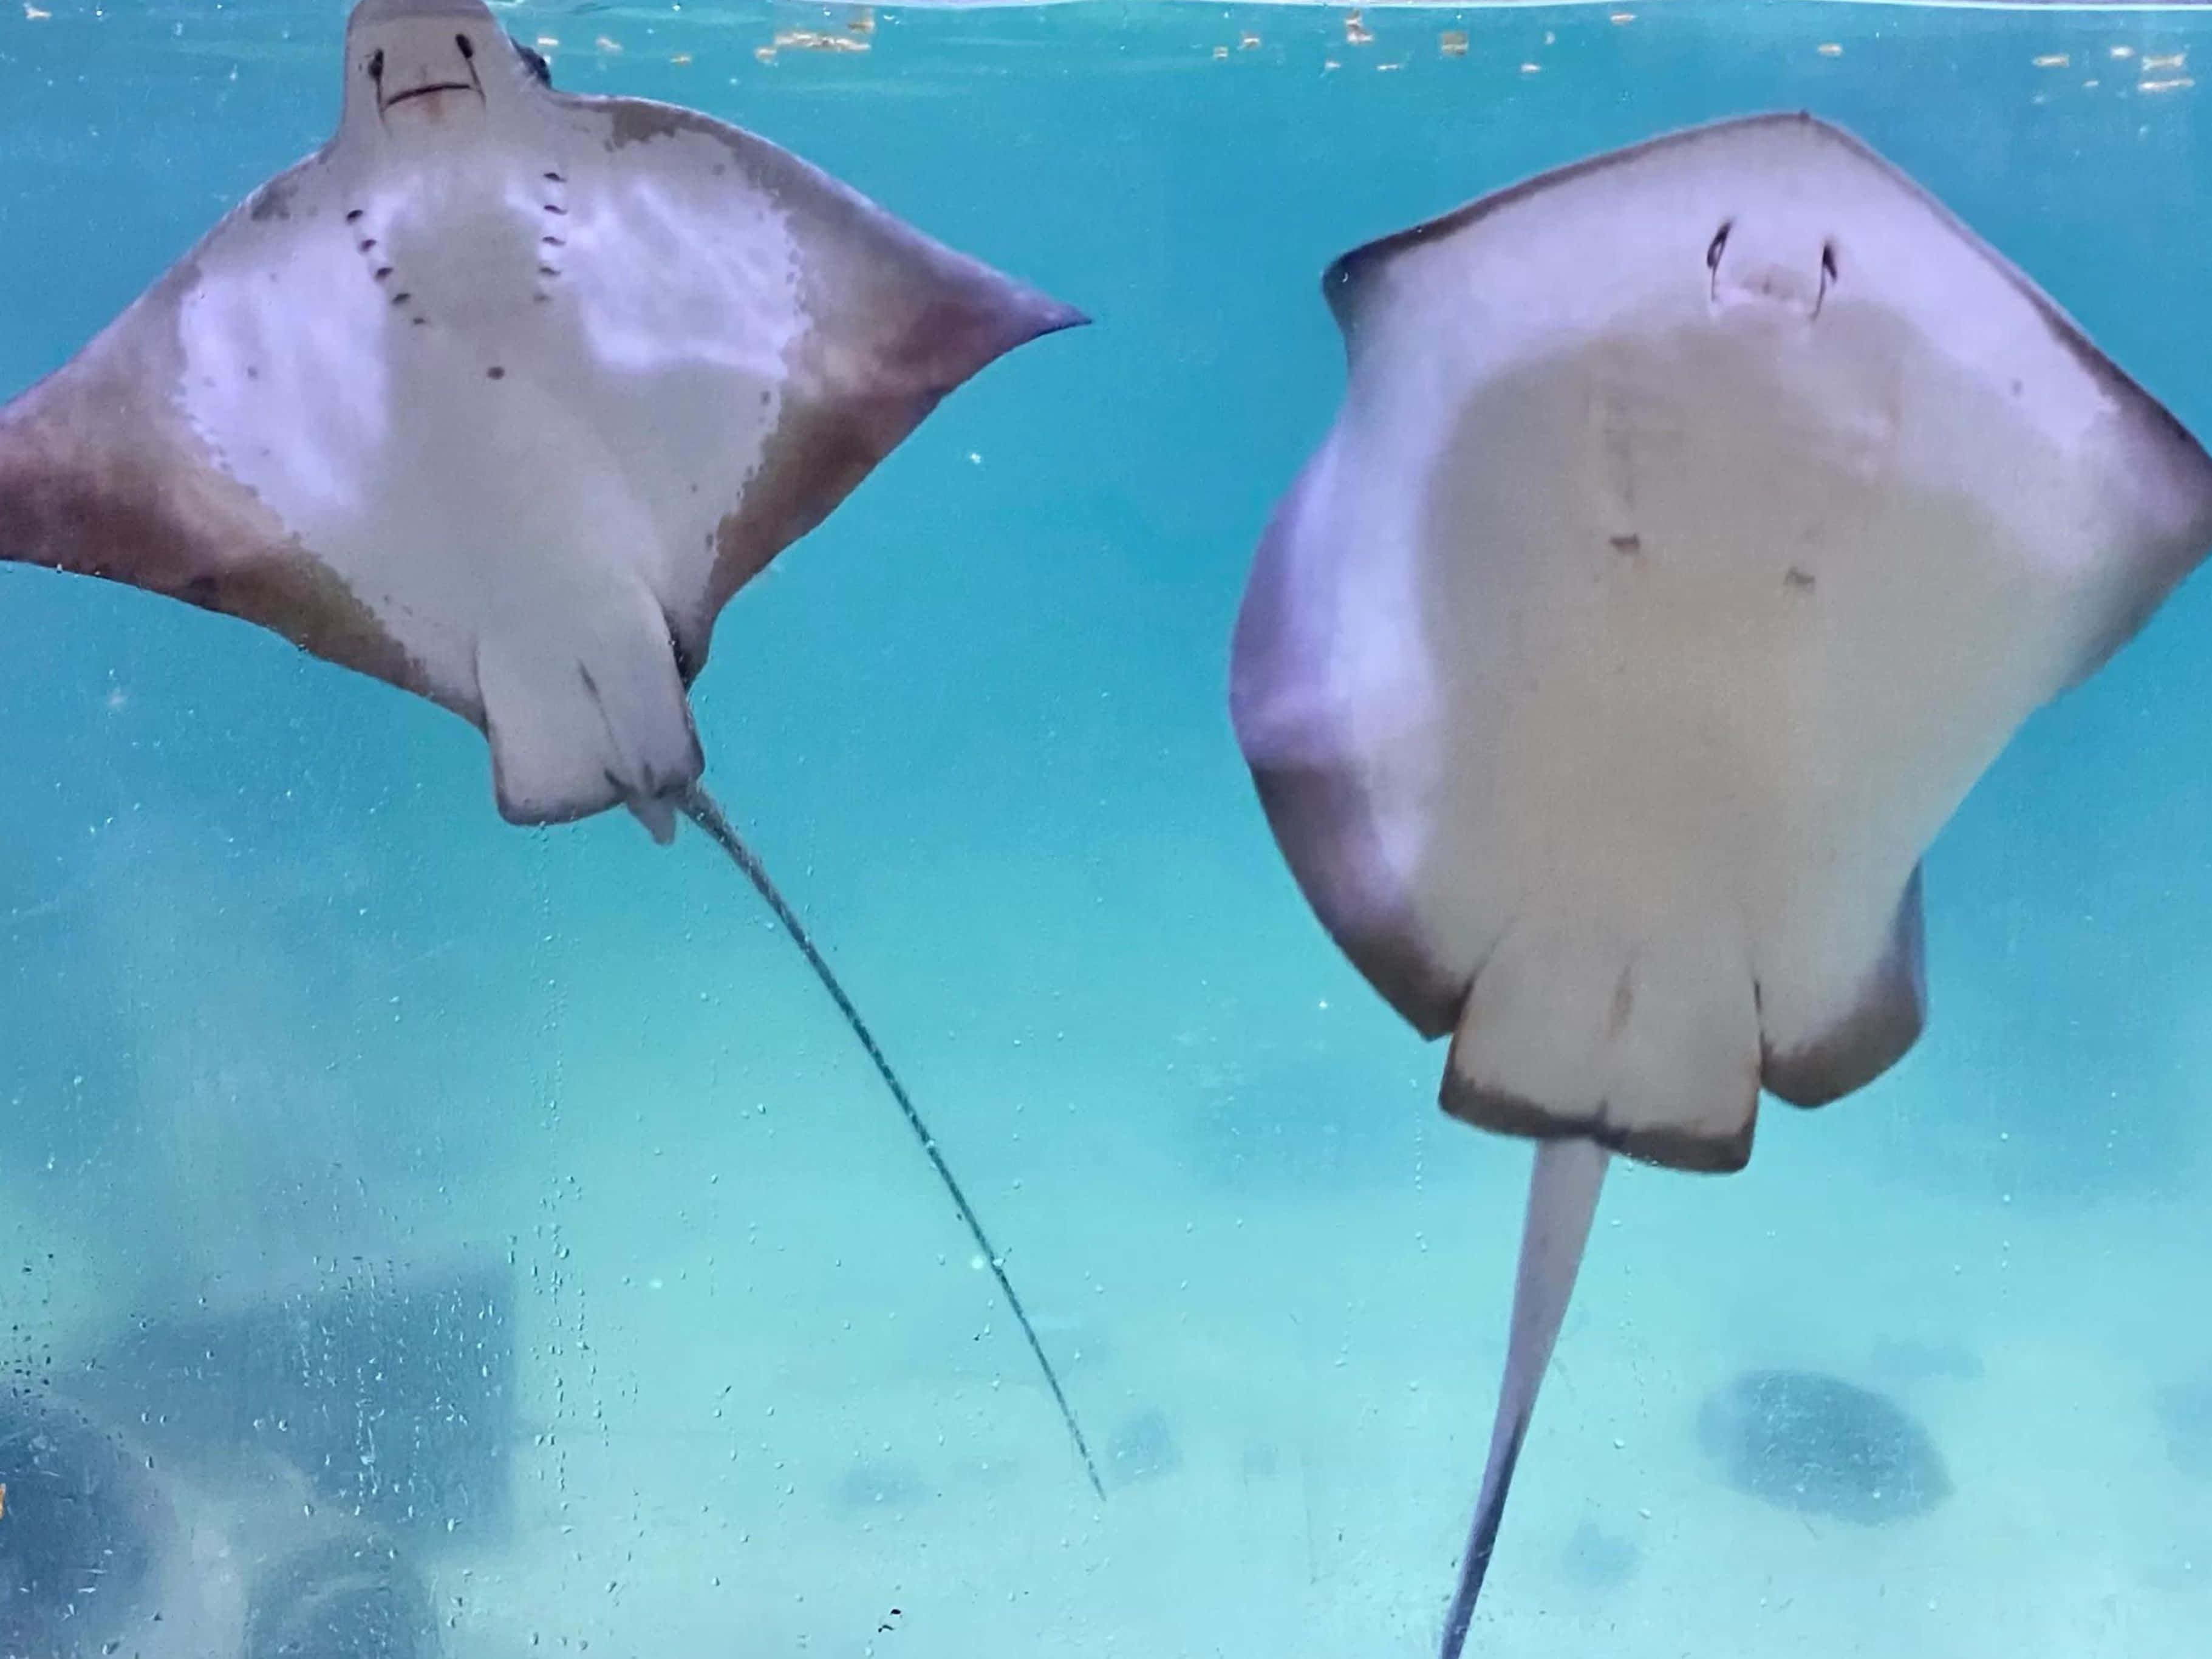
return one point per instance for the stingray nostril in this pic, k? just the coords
(468, 46)
(376, 64)
(1720, 241)
(1828, 272)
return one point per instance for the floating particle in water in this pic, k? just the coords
(1622, 17)
(814, 40)
(1831, 48)
(1248, 42)
(2053, 60)
(1452, 43)
(2172, 60)
(1356, 31)
(1804, 1441)
(862, 21)
(2173, 85)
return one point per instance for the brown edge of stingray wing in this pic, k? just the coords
(896, 321)
(1880, 1029)
(2164, 552)
(101, 477)
(1317, 806)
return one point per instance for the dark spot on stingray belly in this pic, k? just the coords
(1817, 1444)
(272, 201)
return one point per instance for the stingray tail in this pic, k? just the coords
(699, 806)
(1562, 1199)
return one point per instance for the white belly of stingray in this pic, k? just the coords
(507, 404)
(1660, 703)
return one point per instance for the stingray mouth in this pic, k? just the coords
(387, 100)
(428, 89)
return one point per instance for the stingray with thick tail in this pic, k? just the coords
(1700, 522)
(500, 397)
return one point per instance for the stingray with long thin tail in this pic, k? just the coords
(1700, 522)
(500, 397)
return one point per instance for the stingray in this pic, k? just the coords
(500, 398)
(1700, 522)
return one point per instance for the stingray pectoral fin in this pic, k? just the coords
(895, 324)
(848, 323)
(589, 715)
(1563, 1197)
(1881, 1022)
(1287, 703)
(1651, 1048)
(99, 477)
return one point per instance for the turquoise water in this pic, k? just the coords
(282, 1001)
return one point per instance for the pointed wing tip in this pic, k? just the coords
(1049, 316)
(1001, 315)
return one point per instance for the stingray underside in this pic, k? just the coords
(508, 426)
(894, 322)
(1697, 527)
(848, 338)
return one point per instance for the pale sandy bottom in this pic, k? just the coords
(776, 1407)
(766, 1399)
